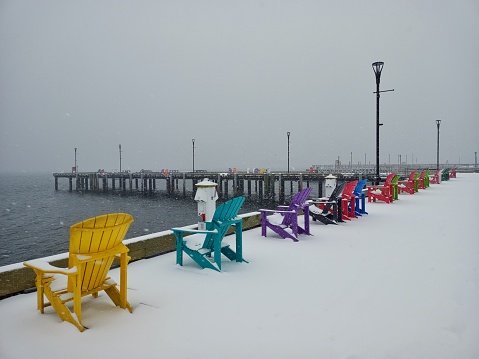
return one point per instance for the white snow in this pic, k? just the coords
(401, 282)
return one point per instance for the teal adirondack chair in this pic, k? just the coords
(225, 216)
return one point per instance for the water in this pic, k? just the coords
(35, 219)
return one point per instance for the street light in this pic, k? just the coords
(438, 123)
(193, 140)
(288, 134)
(76, 167)
(119, 148)
(378, 67)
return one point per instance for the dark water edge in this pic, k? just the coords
(35, 219)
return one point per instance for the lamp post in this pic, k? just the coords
(378, 67)
(76, 167)
(438, 123)
(193, 141)
(119, 148)
(288, 134)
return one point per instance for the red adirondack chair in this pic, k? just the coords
(348, 201)
(408, 185)
(452, 173)
(435, 178)
(382, 192)
(420, 180)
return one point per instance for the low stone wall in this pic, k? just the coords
(16, 278)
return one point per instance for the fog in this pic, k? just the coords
(236, 76)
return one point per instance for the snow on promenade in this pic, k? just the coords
(402, 282)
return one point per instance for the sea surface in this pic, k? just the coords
(35, 219)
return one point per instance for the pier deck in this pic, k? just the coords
(267, 186)
(263, 186)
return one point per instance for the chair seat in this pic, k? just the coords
(276, 219)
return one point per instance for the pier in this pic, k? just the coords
(265, 186)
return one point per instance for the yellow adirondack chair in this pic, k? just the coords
(94, 244)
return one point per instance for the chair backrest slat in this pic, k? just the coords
(389, 178)
(228, 210)
(224, 213)
(358, 190)
(297, 202)
(96, 235)
(334, 197)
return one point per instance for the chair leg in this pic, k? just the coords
(179, 248)
(116, 297)
(39, 281)
(124, 259)
(61, 309)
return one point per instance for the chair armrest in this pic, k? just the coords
(275, 211)
(319, 201)
(186, 230)
(46, 267)
(380, 186)
(89, 257)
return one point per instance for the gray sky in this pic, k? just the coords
(235, 76)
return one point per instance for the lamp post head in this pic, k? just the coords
(378, 67)
(438, 122)
(288, 133)
(193, 140)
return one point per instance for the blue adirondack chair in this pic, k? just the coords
(288, 227)
(225, 216)
(360, 198)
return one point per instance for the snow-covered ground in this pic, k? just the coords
(401, 282)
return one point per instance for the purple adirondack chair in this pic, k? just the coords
(288, 227)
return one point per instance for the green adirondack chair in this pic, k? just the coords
(225, 216)
(416, 182)
(445, 174)
(394, 184)
(426, 178)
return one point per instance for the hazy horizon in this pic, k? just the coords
(236, 77)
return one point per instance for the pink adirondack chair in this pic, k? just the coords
(382, 192)
(408, 185)
(452, 173)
